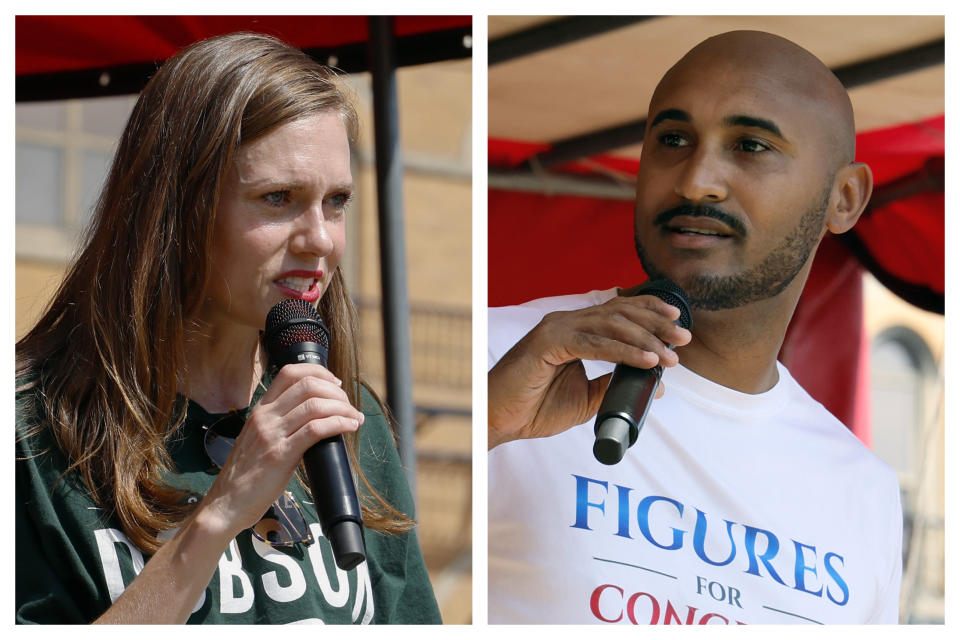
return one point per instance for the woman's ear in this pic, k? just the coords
(852, 187)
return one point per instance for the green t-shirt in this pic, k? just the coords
(73, 560)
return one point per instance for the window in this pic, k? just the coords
(903, 373)
(63, 153)
(902, 368)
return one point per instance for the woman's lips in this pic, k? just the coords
(303, 285)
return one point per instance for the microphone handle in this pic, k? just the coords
(624, 408)
(335, 498)
(294, 332)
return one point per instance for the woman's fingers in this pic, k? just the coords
(305, 389)
(292, 374)
(320, 429)
(315, 398)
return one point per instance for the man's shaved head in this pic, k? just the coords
(776, 60)
(748, 159)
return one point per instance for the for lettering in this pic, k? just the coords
(719, 592)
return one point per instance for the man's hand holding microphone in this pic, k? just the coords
(539, 388)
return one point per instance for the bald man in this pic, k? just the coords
(744, 500)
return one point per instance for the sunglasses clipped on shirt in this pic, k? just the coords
(283, 525)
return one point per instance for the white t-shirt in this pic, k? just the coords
(730, 508)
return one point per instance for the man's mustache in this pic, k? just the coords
(701, 211)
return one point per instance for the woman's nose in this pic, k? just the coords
(310, 235)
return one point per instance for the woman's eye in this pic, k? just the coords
(277, 198)
(341, 200)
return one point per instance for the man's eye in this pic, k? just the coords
(752, 146)
(673, 140)
(277, 198)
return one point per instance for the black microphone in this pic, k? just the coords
(295, 333)
(631, 391)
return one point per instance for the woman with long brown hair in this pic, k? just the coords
(139, 497)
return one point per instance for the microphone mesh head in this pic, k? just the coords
(672, 295)
(292, 321)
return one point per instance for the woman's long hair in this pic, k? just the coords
(107, 356)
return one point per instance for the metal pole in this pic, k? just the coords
(393, 264)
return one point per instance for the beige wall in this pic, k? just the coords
(883, 309)
(35, 284)
(435, 132)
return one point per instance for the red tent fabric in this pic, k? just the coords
(901, 238)
(826, 348)
(541, 245)
(47, 44)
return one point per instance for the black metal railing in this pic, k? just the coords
(440, 342)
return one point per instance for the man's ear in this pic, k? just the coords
(852, 187)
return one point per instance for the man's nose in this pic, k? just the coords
(703, 178)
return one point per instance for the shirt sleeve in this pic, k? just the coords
(888, 602)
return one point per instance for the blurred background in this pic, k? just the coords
(566, 110)
(64, 146)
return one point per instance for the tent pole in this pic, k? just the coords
(393, 267)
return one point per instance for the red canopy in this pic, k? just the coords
(46, 44)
